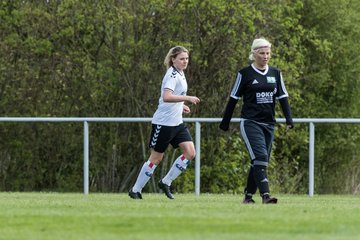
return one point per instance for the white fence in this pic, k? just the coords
(197, 121)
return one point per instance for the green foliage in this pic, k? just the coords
(104, 58)
(225, 164)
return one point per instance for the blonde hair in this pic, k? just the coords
(256, 45)
(173, 52)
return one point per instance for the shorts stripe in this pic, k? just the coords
(246, 139)
(155, 136)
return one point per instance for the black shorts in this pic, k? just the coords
(258, 140)
(161, 136)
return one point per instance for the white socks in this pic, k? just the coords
(176, 169)
(147, 170)
(145, 174)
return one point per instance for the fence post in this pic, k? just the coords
(197, 157)
(311, 158)
(86, 158)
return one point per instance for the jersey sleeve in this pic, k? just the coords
(224, 125)
(236, 91)
(235, 95)
(287, 111)
(170, 81)
(281, 93)
(282, 96)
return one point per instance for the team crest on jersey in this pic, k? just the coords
(270, 79)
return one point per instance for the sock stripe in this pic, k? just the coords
(150, 164)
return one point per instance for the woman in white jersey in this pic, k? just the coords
(167, 125)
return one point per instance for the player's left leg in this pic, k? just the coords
(179, 166)
(184, 141)
(262, 163)
(269, 138)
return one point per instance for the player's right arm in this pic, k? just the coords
(234, 98)
(169, 96)
(224, 125)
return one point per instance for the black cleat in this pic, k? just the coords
(166, 189)
(266, 199)
(248, 201)
(135, 195)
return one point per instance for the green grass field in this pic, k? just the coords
(115, 216)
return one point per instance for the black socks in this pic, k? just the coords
(250, 184)
(261, 180)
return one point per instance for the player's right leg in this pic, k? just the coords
(159, 141)
(251, 187)
(145, 174)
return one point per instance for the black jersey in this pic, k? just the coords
(259, 90)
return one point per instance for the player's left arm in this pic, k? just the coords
(287, 111)
(186, 109)
(282, 96)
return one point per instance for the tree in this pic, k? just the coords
(76, 58)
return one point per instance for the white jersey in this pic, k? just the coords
(170, 113)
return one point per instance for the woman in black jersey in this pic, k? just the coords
(259, 85)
